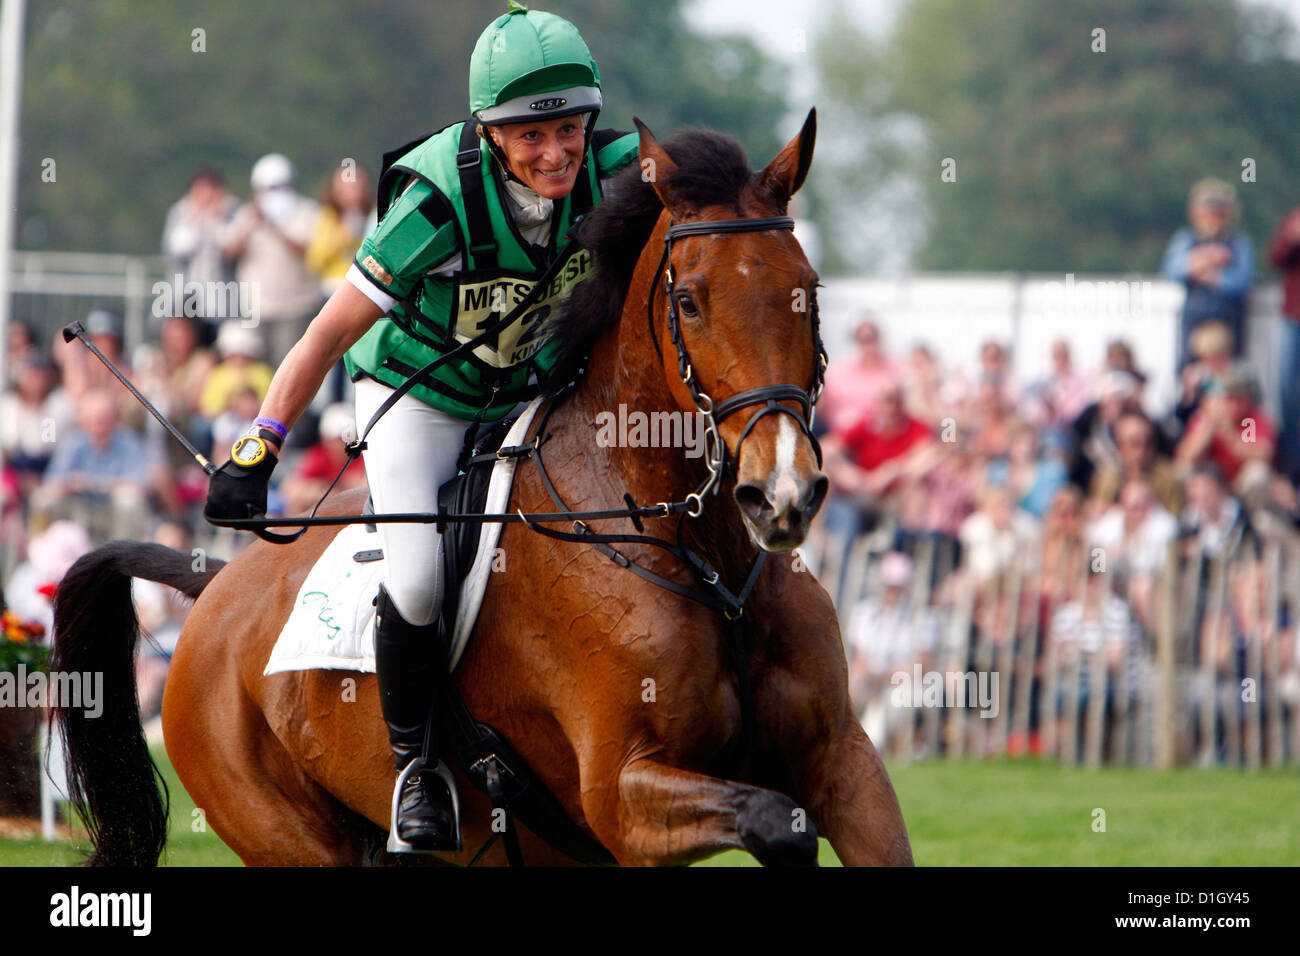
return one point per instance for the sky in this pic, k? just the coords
(772, 23)
(786, 30)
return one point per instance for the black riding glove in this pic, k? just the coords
(237, 491)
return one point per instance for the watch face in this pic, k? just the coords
(248, 451)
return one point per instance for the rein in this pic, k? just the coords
(770, 396)
(717, 596)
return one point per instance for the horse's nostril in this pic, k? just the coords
(753, 501)
(817, 494)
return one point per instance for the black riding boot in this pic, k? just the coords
(407, 665)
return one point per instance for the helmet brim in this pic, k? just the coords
(539, 107)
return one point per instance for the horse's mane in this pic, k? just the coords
(711, 170)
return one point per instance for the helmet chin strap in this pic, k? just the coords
(500, 156)
(590, 131)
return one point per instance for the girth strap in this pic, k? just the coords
(496, 768)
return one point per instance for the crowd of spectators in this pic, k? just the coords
(83, 461)
(1068, 481)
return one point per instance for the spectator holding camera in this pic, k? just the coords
(1215, 262)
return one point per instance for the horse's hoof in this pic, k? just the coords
(776, 830)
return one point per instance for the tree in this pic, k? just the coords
(129, 98)
(1071, 132)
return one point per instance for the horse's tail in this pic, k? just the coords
(110, 773)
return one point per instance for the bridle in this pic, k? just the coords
(770, 396)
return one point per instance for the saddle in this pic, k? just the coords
(486, 757)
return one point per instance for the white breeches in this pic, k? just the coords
(410, 452)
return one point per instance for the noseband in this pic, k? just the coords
(769, 396)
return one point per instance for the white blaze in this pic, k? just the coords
(783, 486)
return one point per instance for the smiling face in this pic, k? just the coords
(545, 155)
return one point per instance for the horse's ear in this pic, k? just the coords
(656, 165)
(785, 174)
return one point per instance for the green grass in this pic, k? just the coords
(1009, 813)
(1027, 813)
(185, 845)
(1016, 813)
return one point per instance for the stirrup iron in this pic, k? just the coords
(418, 766)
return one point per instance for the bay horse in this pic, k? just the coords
(621, 695)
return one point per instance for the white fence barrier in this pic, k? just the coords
(954, 313)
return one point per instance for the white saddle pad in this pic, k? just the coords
(332, 623)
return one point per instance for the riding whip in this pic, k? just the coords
(78, 331)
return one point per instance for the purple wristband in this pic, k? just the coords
(280, 428)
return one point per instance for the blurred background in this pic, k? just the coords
(1060, 243)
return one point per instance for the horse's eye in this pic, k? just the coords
(687, 305)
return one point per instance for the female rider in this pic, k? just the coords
(470, 218)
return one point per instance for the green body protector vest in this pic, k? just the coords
(498, 269)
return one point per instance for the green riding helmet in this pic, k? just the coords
(529, 65)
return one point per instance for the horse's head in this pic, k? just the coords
(738, 334)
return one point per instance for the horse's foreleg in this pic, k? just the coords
(809, 735)
(848, 792)
(662, 815)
